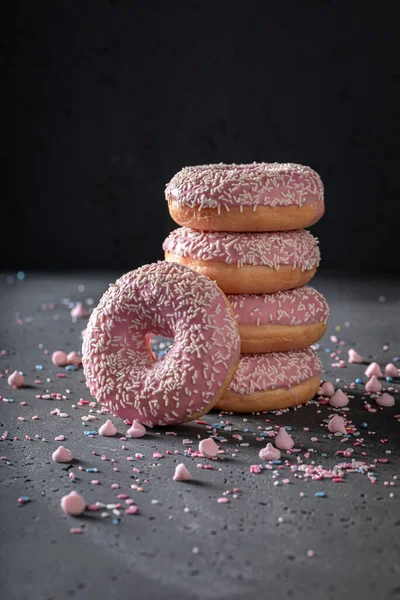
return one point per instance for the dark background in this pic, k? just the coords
(104, 101)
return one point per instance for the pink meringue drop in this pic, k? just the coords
(79, 311)
(16, 380)
(354, 357)
(326, 389)
(283, 440)
(73, 504)
(62, 455)
(208, 448)
(59, 358)
(181, 473)
(269, 453)
(339, 399)
(373, 385)
(385, 400)
(74, 359)
(392, 371)
(373, 369)
(136, 430)
(108, 429)
(337, 425)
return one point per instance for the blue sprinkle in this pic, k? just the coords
(246, 429)
(70, 368)
(324, 454)
(73, 480)
(389, 379)
(25, 499)
(39, 367)
(276, 461)
(8, 400)
(288, 428)
(115, 521)
(20, 275)
(359, 380)
(320, 494)
(327, 349)
(90, 432)
(364, 425)
(396, 358)
(92, 470)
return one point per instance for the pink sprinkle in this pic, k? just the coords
(223, 500)
(93, 507)
(255, 469)
(74, 530)
(314, 439)
(286, 481)
(59, 438)
(115, 486)
(21, 418)
(95, 482)
(157, 455)
(131, 510)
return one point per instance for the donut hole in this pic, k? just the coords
(159, 345)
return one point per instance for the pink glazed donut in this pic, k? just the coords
(253, 197)
(272, 381)
(282, 321)
(170, 300)
(247, 263)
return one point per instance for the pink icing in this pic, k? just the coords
(373, 369)
(174, 301)
(326, 389)
(373, 385)
(108, 429)
(284, 440)
(59, 358)
(137, 430)
(62, 455)
(385, 400)
(339, 399)
(73, 504)
(261, 372)
(267, 184)
(79, 311)
(208, 448)
(269, 453)
(392, 371)
(274, 249)
(354, 357)
(337, 425)
(16, 380)
(181, 473)
(300, 306)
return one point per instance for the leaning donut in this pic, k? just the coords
(247, 263)
(253, 197)
(170, 300)
(272, 381)
(282, 321)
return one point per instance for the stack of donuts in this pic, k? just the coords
(244, 227)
